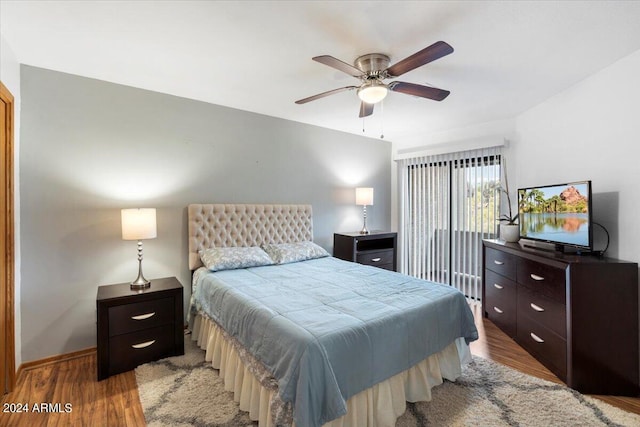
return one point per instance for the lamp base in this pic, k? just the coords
(364, 220)
(140, 284)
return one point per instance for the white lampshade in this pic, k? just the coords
(372, 92)
(138, 224)
(364, 196)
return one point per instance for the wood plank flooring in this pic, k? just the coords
(112, 402)
(115, 401)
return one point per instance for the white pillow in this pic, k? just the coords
(283, 253)
(216, 259)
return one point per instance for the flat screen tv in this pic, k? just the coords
(560, 214)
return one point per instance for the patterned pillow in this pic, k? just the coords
(216, 259)
(284, 253)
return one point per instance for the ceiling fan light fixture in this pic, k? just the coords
(372, 92)
(373, 68)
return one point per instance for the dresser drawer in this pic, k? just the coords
(544, 344)
(140, 315)
(499, 290)
(504, 318)
(501, 263)
(545, 311)
(544, 279)
(130, 350)
(500, 304)
(376, 258)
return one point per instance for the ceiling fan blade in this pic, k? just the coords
(419, 90)
(365, 109)
(338, 65)
(426, 55)
(323, 94)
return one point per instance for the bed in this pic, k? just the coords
(308, 339)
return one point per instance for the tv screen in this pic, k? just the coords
(559, 214)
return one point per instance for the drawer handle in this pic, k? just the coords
(143, 344)
(536, 338)
(375, 259)
(143, 316)
(496, 262)
(498, 310)
(536, 307)
(536, 277)
(497, 286)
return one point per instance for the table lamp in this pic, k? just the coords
(364, 197)
(139, 224)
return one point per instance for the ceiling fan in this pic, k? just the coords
(373, 68)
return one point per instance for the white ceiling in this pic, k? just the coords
(256, 56)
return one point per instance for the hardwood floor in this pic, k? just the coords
(112, 402)
(115, 401)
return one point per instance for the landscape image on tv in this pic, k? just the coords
(558, 213)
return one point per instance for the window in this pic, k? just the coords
(449, 203)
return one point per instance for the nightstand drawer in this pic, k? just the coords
(377, 249)
(140, 315)
(130, 350)
(376, 258)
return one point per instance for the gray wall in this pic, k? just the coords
(90, 148)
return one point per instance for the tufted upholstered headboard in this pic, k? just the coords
(225, 225)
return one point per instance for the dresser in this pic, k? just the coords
(377, 248)
(138, 326)
(578, 315)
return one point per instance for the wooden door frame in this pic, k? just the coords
(7, 358)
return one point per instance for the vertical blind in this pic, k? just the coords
(448, 204)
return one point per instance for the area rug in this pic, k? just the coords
(186, 391)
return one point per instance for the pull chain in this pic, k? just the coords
(381, 119)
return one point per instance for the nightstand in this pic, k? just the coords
(135, 327)
(378, 248)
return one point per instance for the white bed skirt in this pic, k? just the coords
(377, 406)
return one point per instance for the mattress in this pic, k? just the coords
(328, 329)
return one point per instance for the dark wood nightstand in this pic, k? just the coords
(135, 327)
(378, 248)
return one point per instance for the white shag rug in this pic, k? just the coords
(187, 391)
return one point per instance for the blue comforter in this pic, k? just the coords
(328, 329)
